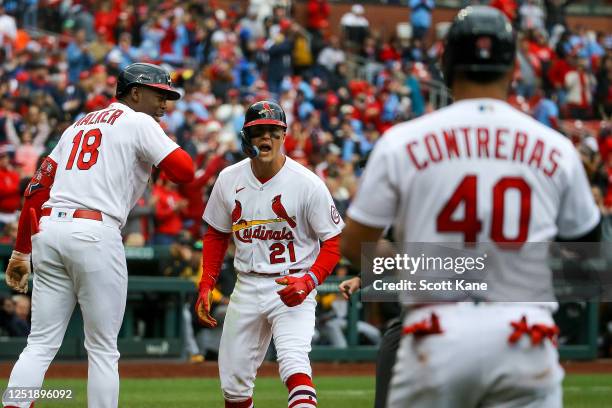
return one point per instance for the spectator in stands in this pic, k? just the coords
(603, 94)
(105, 19)
(30, 14)
(555, 13)
(317, 16)
(529, 69)
(181, 258)
(608, 195)
(508, 7)
(532, 16)
(10, 194)
(355, 26)
(79, 59)
(333, 320)
(169, 207)
(250, 28)
(265, 8)
(331, 56)
(8, 31)
(124, 52)
(298, 144)
(194, 192)
(22, 309)
(34, 133)
(545, 109)
(302, 53)
(139, 226)
(579, 86)
(9, 233)
(209, 339)
(420, 17)
(184, 263)
(279, 50)
(81, 15)
(10, 322)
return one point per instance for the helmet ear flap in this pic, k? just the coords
(247, 146)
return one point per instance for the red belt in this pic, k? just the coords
(80, 213)
(275, 274)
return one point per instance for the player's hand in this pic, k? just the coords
(202, 309)
(18, 272)
(296, 289)
(349, 286)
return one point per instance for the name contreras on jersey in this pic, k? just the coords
(99, 117)
(262, 233)
(484, 143)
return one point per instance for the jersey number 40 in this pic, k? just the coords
(470, 225)
(88, 145)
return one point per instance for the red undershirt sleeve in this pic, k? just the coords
(328, 257)
(36, 194)
(214, 246)
(178, 166)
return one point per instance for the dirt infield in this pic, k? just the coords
(174, 369)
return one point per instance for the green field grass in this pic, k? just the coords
(580, 391)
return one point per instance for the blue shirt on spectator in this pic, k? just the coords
(544, 110)
(78, 61)
(416, 98)
(420, 15)
(196, 107)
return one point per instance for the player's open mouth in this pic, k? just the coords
(265, 147)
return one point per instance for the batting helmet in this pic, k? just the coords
(149, 75)
(480, 40)
(260, 113)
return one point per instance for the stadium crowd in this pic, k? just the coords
(341, 89)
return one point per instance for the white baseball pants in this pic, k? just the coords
(472, 364)
(256, 314)
(76, 260)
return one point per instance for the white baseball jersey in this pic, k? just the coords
(108, 150)
(276, 225)
(476, 171)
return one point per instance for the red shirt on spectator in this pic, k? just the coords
(10, 196)
(165, 46)
(608, 197)
(542, 51)
(605, 147)
(318, 13)
(508, 7)
(297, 149)
(557, 71)
(388, 53)
(194, 192)
(167, 210)
(105, 21)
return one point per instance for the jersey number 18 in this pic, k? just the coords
(88, 144)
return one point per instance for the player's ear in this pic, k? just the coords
(135, 94)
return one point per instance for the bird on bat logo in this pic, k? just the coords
(279, 210)
(236, 212)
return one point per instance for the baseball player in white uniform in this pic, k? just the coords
(86, 187)
(276, 211)
(476, 171)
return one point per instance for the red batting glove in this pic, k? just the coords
(202, 308)
(296, 289)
